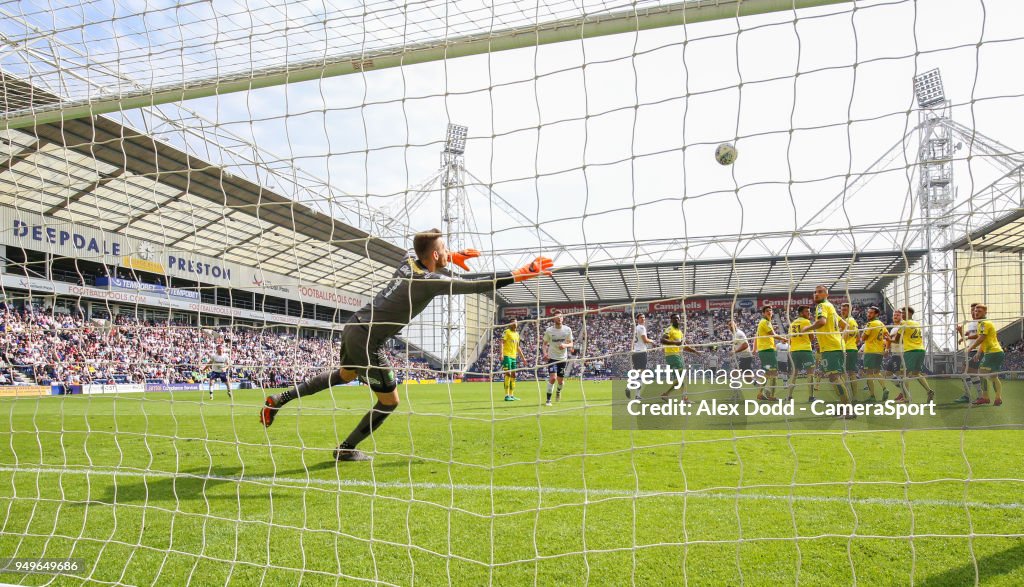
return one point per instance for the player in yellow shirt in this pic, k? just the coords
(510, 355)
(830, 340)
(913, 355)
(850, 335)
(674, 342)
(988, 343)
(801, 357)
(874, 338)
(765, 343)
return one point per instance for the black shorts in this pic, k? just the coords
(894, 364)
(973, 363)
(557, 368)
(639, 359)
(218, 376)
(365, 356)
(745, 363)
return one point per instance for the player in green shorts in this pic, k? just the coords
(801, 358)
(765, 342)
(510, 353)
(674, 342)
(874, 339)
(913, 354)
(988, 343)
(827, 330)
(850, 339)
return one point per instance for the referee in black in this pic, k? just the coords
(422, 276)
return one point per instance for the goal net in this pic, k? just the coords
(206, 204)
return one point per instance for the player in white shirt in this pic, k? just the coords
(741, 352)
(557, 342)
(220, 366)
(741, 347)
(782, 349)
(968, 334)
(894, 364)
(641, 343)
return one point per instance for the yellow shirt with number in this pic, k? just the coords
(987, 333)
(675, 335)
(911, 339)
(874, 337)
(798, 341)
(850, 336)
(765, 336)
(828, 335)
(510, 343)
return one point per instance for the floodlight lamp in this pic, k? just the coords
(456, 140)
(928, 88)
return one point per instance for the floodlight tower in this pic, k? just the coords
(455, 226)
(453, 185)
(936, 194)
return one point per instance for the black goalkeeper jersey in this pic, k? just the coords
(411, 290)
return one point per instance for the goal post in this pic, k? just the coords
(484, 42)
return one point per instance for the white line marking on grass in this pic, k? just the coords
(294, 483)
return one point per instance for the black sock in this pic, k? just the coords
(370, 422)
(314, 384)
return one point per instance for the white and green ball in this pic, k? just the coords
(726, 154)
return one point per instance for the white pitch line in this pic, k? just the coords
(348, 483)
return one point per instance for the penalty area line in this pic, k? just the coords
(295, 483)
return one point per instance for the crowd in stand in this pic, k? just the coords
(40, 346)
(1014, 361)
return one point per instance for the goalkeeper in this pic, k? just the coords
(422, 276)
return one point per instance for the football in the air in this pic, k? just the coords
(725, 154)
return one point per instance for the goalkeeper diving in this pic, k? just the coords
(418, 279)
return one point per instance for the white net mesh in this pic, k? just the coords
(196, 198)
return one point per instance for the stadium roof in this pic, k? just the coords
(97, 172)
(1004, 235)
(863, 272)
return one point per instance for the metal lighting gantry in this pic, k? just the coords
(936, 194)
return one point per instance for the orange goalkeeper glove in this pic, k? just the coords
(459, 258)
(537, 267)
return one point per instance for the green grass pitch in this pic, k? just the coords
(161, 488)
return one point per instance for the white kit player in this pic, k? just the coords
(968, 334)
(641, 344)
(741, 347)
(220, 366)
(782, 349)
(557, 342)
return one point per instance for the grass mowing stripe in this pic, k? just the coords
(356, 483)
